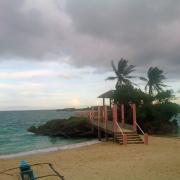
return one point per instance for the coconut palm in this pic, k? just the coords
(154, 80)
(122, 73)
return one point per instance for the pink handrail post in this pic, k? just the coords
(92, 120)
(146, 139)
(134, 117)
(122, 113)
(105, 121)
(115, 117)
(99, 119)
(105, 117)
(125, 139)
(99, 115)
(114, 109)
(89, 116)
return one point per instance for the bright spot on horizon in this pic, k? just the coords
(76, 102)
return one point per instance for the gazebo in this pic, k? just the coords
(107, 95)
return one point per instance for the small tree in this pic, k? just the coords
(165, 96)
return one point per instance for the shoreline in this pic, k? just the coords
(51, 149)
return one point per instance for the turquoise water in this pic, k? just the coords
(15, 138)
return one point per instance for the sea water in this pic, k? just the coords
(14, 137)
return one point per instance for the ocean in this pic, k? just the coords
(14, 137)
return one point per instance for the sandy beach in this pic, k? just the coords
(108, 160)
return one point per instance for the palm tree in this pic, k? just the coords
(122, 73)
(154, 80)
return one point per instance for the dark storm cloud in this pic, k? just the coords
(28, 32)
(93, 32)
(147, 32)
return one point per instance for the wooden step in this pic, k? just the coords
(136, 142)
(132, 138)
(127, 132)
(130, 142)
(135, 139)
(130, 132)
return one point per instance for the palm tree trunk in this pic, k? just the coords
(150, 90)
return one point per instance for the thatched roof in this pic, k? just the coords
(108, 94)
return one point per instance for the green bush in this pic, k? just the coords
(155, 118)
(153, 113)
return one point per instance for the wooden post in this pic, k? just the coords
(92, 120)
(90, 117)
(125, 139)
(122, 113)
(105, 121)
(115, 118)
(146, 139)
(134, 117)
(99, 119)
(103, 102)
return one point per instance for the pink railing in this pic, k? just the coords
(81, 113)
(116, 125)
(144, 134)
(101, 115)
(123, 135)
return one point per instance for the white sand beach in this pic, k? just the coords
(104, 161)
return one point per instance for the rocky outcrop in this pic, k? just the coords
(72, 127)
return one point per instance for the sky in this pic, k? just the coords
(57, 54)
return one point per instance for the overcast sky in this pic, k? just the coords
(56, 54)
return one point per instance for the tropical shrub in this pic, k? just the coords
(155, 118)
(153, 113)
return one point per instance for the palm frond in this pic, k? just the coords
(158, 88)
(143, 78)
(127, 81)
(122, 64)
(129, 69)
(163, 85)
(111, 78)
(146, 87)
(130, 77)
(135, 84)
(114, 67)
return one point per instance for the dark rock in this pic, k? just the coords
(72, 127)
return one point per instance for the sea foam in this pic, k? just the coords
(52, 149)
